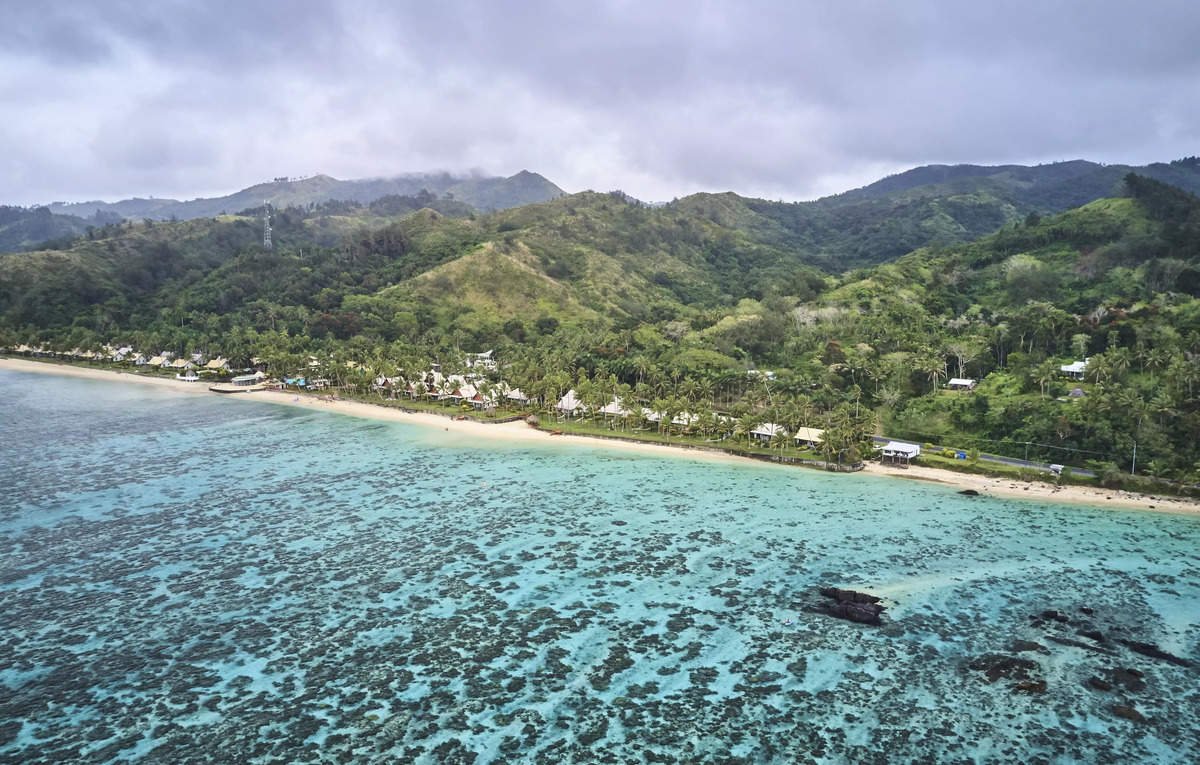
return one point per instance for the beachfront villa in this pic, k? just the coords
(217, 365)
(809, 436)
(614, 409)
(569, 404)
(767, 431)
(899, 453)
(515, 394)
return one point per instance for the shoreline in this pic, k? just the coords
(519, 432)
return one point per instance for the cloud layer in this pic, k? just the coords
(783, 100)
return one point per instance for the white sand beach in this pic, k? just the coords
(515, 432)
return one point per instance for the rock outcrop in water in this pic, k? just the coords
(852, 606)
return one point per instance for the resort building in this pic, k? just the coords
(899, 453)
(767, 431)
(481, 361)
(809, 436)
(515, 394)
(569, 404)
(182, 363)
(217, 365)
(614, 409)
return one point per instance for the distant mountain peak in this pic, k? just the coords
(482, 192)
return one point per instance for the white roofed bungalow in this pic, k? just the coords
(515, 394)
(614, 408)
(158, 361)
(570, 404)
(217, 365)
(809, 436)
(1075, 369)
(464, 392)
(961, 383)
(684, 419)
(182, 363)
(899, 453)
(767, 431)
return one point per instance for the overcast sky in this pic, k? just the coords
(788, 100)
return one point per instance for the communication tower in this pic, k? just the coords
(267, 226)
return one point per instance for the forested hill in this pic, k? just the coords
(600, 286)
(946, 205)
(483, 193)
(24, 228)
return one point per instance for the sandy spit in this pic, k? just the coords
(518, 432)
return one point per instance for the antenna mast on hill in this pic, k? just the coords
(267, 226)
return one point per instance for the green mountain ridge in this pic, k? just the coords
(482, 193)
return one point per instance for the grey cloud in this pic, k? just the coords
(779, 99)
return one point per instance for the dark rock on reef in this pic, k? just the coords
(1019, 646)
(1086, 610)
(1030, 686)
(1099, 684)
(1154, 652)
(1096, 635)
(1051, 615)
(996, 666)
(1129, 713)
(1080, 644)
(849, 596)
(1131, 679)
(969, 493)
(858, 607)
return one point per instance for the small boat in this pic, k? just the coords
(241, 384)
(189, 377)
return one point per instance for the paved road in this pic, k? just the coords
(1043, 466)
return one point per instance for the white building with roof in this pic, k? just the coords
(767, 431)
(899, 453)
(569, 403)
(1075, 369)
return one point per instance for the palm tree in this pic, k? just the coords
(1119, 361)
(933, 365)
(780, 441)
(744, 425)
(660, 406)
(446, 388)
(1156, 359)
(1045, 374)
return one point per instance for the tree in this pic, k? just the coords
(779, 441)
(1044, 374)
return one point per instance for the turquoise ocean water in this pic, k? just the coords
(186, 578)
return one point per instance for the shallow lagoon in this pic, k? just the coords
(189, 579)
